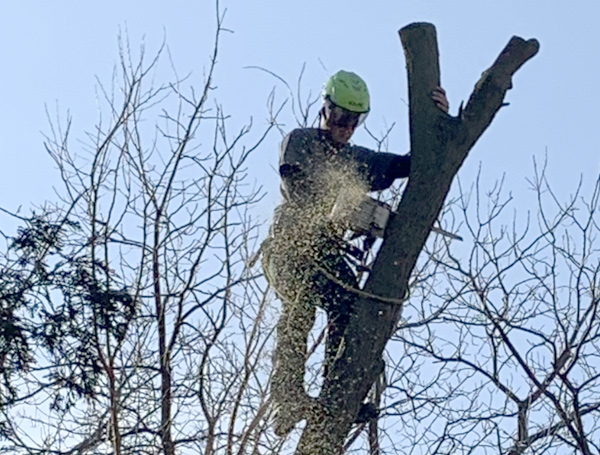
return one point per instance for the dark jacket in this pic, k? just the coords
(313, 171)
(310, 163)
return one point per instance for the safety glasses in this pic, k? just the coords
(343, 118)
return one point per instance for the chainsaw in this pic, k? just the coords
(366, 216)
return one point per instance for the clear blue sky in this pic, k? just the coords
(51, 53)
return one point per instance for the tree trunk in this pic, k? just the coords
(439, 145)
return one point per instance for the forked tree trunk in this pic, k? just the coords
(439, 145)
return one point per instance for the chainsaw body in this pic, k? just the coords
(361, 214)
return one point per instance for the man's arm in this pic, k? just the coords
(294, 157)
(384, 168)
(380, 169)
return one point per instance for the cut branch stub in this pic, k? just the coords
(439, 145)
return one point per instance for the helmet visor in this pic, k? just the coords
(343, 118)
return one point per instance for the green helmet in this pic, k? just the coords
(347, 90)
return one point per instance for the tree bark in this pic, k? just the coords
(439, 145)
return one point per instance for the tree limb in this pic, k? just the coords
(439, 145)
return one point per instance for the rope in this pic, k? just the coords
(360, 292)
(347, 287)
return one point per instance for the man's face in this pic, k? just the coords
(340, 122)
(341, 134)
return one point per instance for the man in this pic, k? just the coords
(303, 258)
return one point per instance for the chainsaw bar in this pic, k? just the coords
(450, 235)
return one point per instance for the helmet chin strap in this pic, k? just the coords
(323, 119)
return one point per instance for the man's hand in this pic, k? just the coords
(438, 95)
